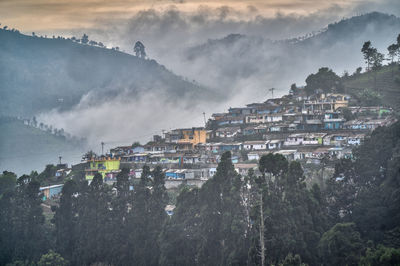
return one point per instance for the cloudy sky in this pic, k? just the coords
(59, 15)
(30, 15)
(179, 23)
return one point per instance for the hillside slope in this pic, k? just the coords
(24, 148)
(38, 74)
(256, 63)
(386, 82)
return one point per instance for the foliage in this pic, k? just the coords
(85, 39)
(368, 53)
(366, 191)
(324, 80)
(136, 144)
(70, 70)
(370, 98)
(341, 245)
(52, 259)
(8, 181)
(392, 50)
(291, 260)
(23, 235)
(259, 219)
(347, 114)
(381, 256)
(139, 50)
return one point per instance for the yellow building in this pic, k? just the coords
(329, 102)
(193, 136)
(103, 166)
(340, 100)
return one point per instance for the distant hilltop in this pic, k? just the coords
(39, 74)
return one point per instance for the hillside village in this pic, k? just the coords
(311, 177)
(314, 130)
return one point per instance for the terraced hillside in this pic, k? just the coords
(386, 82)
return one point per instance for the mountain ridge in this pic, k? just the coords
(68, 71)
(256, 62)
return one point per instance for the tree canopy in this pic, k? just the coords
(139, 50)
(325, 80)
(269, 216)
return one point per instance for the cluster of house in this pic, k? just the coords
(307, 129)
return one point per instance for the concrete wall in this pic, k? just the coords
(171, 183)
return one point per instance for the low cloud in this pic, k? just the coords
(242, 71)
(123, 119)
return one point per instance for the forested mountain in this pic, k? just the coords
(38, 74)
(255, 63)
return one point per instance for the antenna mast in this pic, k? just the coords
(272, 92)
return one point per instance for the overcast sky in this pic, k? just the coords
(67, 15)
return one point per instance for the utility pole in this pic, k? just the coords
(204, 115)
(102, 148)
(59, 159)
(272, 92)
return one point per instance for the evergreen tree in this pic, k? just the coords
(392, 50)
(7, 241)
(65, 220)
(8, 180)
(138, 221)
(181, 236)
(118, 232)
(23, 235)
(93, 213)
(139, 50)
(341, 245)
(368, 51)
(85, 39)
(157, 215)
(52, 259)
(222, 215)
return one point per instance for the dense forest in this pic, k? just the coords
(271, 218)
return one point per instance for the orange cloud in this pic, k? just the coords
(48, 15)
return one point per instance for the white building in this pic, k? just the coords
(294, 139)
(255, 145)
(355, 140)
(274, 144)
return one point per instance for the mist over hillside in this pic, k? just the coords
(25, 148)
(39, 74)
(80, 88)
(247, 66)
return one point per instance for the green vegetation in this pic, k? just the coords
(39, 74)
(52, 259)
(385, 91)
(324, 80)
(7, 182)
(268, 219)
